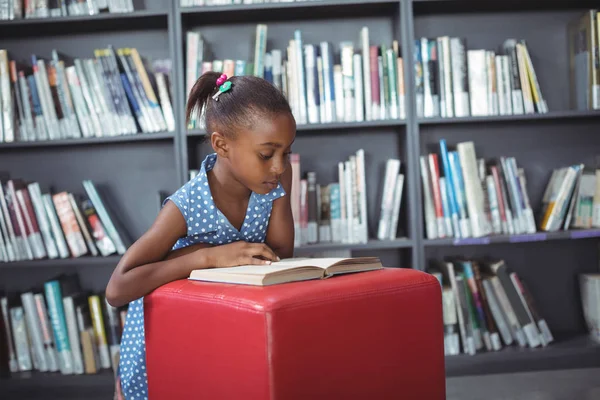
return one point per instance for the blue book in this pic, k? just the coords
(56, 313)
(450, 187)
(460, 192)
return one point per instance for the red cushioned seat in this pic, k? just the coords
(372, 335)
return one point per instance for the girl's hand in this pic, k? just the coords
(240, 253)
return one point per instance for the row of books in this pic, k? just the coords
(200, 3)
(336, 212)
(36, 225)
(487, 306)
(112, 94)
(584, 61)
(364, 82)
(465, 196)
(20, 9)
(58, 327)
(453, 81)
(571, 199)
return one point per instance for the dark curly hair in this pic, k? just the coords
(248, 99)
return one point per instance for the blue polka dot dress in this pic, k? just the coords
(205, 224)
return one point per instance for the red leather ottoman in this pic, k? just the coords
(372, 335)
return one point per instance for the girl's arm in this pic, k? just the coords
(148, 263)
(145, 266)
(280, 234)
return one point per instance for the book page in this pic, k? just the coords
(262, 270)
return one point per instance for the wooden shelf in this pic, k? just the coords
(370, 245)
(574, 352)
(84, 261)
(554, 115)
(535, 237)
(139, 137)
(342, 127)
(298, 10)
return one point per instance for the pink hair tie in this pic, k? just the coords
(221, 80)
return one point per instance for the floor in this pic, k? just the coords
(575, 384)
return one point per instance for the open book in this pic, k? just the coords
(287, 270)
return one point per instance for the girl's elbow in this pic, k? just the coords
(114, 296)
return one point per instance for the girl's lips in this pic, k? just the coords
(271, 185)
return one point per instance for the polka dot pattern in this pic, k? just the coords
(205, 224)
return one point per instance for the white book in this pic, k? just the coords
(35, 332)
(321, 85)
(359, 99)
(478, 82)
(330, 87)
(366, 72)
(260, 48)
(293, 95)
(525, 83)
(343, 203)
(392, 170)
(347, 53)
(398, 190)
(8, 129)
(349, 188)
(48, 338)
(312, 91)
(12, 358)
(55, 225)
(429, 210)
(429, 106)
(460, 90)
(191, 68)
(340, 102)
(510, 50)
(73, 333)
(473, 188)
(361, 185)
(300, 77)
(492, 87)
(447, 73)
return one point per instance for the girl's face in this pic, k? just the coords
(259, 157)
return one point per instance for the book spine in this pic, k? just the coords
(48, 339)
(59, 326)
(99, 331)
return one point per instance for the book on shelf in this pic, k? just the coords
(589, 285)
(36, 225)
(455, 81)
(114, 93)
(469, 197)
(287, 270)
(584, 61)
(362, 81)
(27, 9)
(58, 327)
(486, 306)
(336, 212)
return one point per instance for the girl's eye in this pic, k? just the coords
(265, 157)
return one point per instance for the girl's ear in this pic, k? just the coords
(220, 144)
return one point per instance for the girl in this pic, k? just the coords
(234, 212)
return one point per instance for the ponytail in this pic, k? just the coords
(248, 100)
(202, 90)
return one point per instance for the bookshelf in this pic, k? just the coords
(130, 170)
